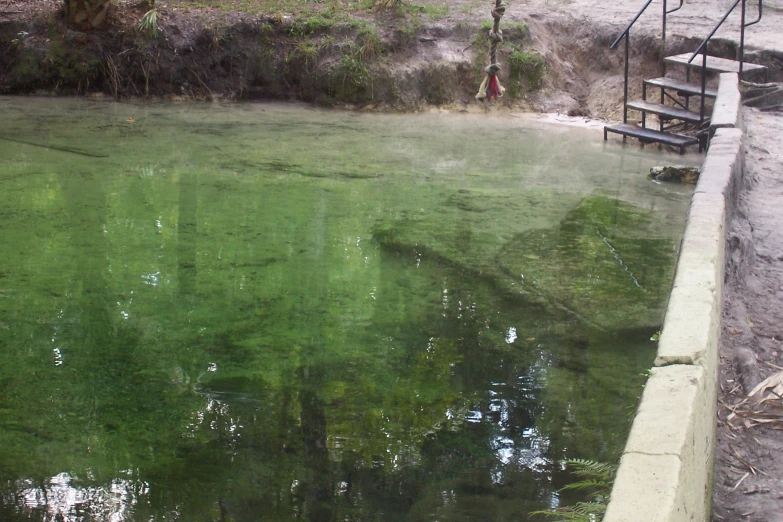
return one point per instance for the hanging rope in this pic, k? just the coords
(490, 87)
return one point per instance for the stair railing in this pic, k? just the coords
(663, 30)
(702, 48)
(626, 33)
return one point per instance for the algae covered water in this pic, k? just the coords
(273, 313)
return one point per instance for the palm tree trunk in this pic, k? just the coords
(86, 14)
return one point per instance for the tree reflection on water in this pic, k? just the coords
(206, 334)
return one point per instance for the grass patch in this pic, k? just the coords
(305, 53)
(522, 29)
(351, 75)
(318, 23)
(436, 12)
(369, 43)
(526, 70)
(406, 31)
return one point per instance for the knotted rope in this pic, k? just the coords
(490, 87)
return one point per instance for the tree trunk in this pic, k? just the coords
(86, 14)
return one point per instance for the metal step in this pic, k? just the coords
(651, 135)
(682, 88)
(714, 64)
(666, 112)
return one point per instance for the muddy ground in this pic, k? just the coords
(749, 465)
(430, 55)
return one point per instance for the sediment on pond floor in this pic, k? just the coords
(398, 59)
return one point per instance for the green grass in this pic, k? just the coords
(369, 42)
(523, 29)
(306, 53)
(318, 23)
(436, 12)
(526, 70)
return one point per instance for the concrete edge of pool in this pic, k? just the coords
(666, 471)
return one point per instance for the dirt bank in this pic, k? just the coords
(749, 467)
(399, 59)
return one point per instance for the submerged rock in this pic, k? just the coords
(681, 173)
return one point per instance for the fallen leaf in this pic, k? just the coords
(773, 381)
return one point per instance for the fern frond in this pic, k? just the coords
(586, 484)
(547, 514)
(598, 477)
(592, 469)
(579, 512)
(589, 509)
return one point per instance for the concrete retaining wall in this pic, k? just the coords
(666, 470)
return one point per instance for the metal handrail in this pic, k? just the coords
(743, 25)
(757, 20)
(702, 48)
(628, 27)
(665, 12)
(626, 33)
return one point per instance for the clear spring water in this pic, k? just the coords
(272, 313)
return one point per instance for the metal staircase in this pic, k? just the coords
(679, 125)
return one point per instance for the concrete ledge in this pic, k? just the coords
(727, 111)
(661, 474)
(690, 329)
(724, 165)
(666, 470)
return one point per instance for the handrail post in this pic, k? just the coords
(742, 40)
(625, 89)
(703, 84)
(663, 40)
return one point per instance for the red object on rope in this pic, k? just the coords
(493, 89)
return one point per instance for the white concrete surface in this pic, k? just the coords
(666, 471)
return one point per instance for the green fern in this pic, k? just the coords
(584, 484)
(579, 512)
(595, 473)
(597, 477)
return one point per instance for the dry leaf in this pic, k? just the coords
(773, 381)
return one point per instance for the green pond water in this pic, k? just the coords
(271, 312)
